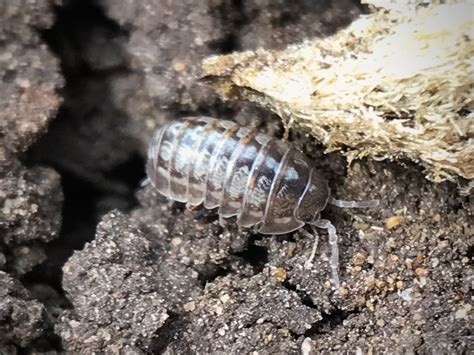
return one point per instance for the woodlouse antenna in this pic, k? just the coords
(353, 204)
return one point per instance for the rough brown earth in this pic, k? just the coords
(116, 267)
(22, 319)
(30, 196)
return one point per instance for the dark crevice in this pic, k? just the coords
(210, 271)
(78, 227)
(205, 216)
(470, 255)
(232, 24)
(363, 7)
(48, 342)
(420, 348)
(76, 23)
(84, 204)
(130, 173)
(255, 255)
(304, 297)
(94, 181)
(228, 44)
(329, 322)
(177, 207)
(166, 333)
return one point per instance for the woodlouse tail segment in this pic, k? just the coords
(334, 260)
(354, 204)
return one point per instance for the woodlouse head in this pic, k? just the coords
(314, 199)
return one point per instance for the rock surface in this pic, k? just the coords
(122, 296)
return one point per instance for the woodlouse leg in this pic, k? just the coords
(334, 260)
(221, 221)
(145, 182)
(353, 204)
(309, 262)
(287, 126)
(193, 208)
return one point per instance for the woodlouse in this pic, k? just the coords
(261, 180)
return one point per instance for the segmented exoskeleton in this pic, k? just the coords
(259, 179)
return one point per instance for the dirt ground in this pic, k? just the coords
(91, 262)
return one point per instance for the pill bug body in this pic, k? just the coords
(259, 179)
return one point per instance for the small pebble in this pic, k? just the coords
(359, 259)
(280, 274)
(393, 258)
(361, 226)
(443, 244)
(460, 314)
(422, 272)
(224, 298)
(370, 306)
(463, 312)
(417, 316)
(176, 241)
(380, 283)
(406, 294)
(393, 221)
(369, 282)
(219, 310)
(190, 306)
(343, 291)
(179, 66)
